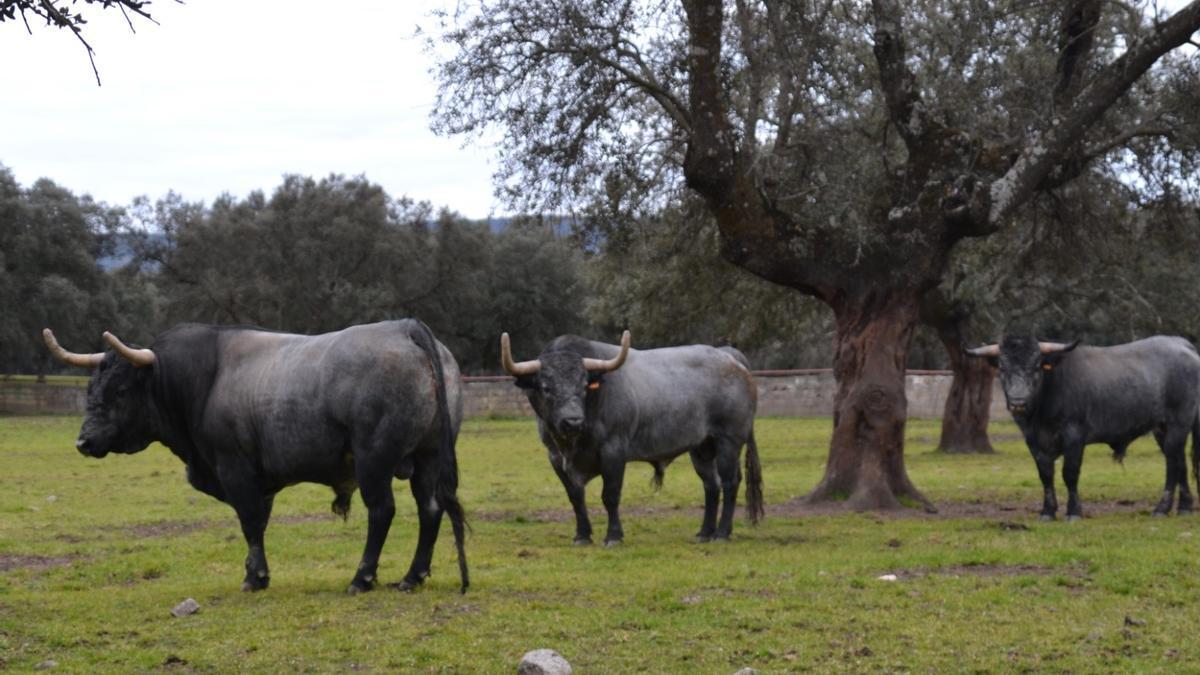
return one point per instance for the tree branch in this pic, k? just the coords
(900, 89)
(1045, 150)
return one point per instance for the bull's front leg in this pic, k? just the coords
(1045, 467)
(1072, 461)
(253, 510)
(575, 493)
(612, 471)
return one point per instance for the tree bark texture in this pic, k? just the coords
(968, 406)
(866, 454)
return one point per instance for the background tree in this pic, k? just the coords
(843, 167)
(320, 255)
(49, 243)
(662, 279)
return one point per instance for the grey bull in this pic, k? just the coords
(1064, 397)
(600, 406)
(252, 411)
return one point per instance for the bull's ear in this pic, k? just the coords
(526, 381)
(594, 379)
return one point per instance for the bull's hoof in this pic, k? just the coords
(254, 584)
(360, 586)
(1184, 511)
(720, 538)
(406, 586)
(583, 541)
(1046, 517)
(609, 543)
(1159, 513)
(1074, 517)
(703, 538)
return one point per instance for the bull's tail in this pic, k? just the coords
(447, 482)
(1195, 452)
(754, 493)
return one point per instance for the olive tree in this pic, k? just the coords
(843, 148)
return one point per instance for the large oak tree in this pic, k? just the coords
(844, 149)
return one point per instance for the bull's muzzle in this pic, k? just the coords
(571, 424)
(88, 448)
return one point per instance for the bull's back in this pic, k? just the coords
(684, 395)
(1134, 387)
(299, 401)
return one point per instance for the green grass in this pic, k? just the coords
(95, 554)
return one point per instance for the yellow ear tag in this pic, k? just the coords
(1047, 366)
(593, 386)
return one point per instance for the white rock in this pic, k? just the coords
(888, 577)
(746, 671)
(52, 498)
(543, 662)
(46, 665)
(189, 606)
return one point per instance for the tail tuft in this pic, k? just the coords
(755, 508)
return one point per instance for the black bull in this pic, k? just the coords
(1064, 398)
(600, 407)
(251, 412)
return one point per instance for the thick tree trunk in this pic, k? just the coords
(866, 454)
(965, 419)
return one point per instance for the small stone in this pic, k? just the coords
(46, 665)
(887, 577)
(543, 662)
(746, 671)
(189, 606)
(1130, 621)
(690, 600)
(52, 498)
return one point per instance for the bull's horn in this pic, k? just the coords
(71, 358)
(506, 359)
(986, 350)
(605, 365)
(138, 357)
(1054, 347)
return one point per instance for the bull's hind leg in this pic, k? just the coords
(375, 484)
(1172, 441)
(429, 513)
(731, 480)
(575, 493)
(706, 468)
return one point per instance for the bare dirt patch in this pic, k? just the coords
(1001, 510)
(1077, 571)
(12, 561)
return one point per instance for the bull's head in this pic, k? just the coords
(118, 396)
(1023, 362)
(557, 382)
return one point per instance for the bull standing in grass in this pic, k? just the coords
(252, 411)
(1064, 398)
(600, 406)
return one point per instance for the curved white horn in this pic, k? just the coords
(506, 360)
(1054, 347)
(605, 365)
(138, 357)
(71, 358)
(986, 350)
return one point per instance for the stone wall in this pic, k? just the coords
(798, 393)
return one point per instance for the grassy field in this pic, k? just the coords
(95, 553)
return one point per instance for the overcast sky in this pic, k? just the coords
(227, 96)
